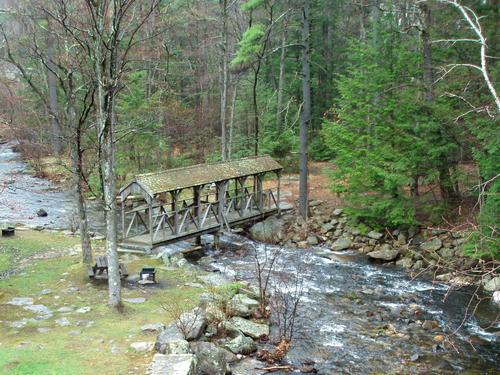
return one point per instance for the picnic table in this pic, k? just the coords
(100, 270)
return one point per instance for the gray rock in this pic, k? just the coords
(43, 329)
(405, 263)
(193, 323)
(312, 240)
(65, 309)
(496, 297)
(38, 309)
(419, 264)
(433, 245)
(337, 212)
(45, 292)
(247, 366)
(493, 285)
(242, 305)
(173, 364)
(20, 301)
(83, 310)
(328, 227)
(342, 243)
(384, 253)
(142, 346)
(135, 300)
(212, 360)
(63, 322)
(171, 341)
(241, 345)
(153, 327)
(214, 279)
(375, 235)
(247, 327)
(269, 230)
(41, 213)
(447, 253)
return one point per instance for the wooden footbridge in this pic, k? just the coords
(165, 207)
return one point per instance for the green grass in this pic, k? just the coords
(26, 351)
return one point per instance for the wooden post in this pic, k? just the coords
(243, 200)
(221, 194)
(123, 217)
(258, 190)
(150, 216)
(216, 240)
(175, 195)
(197, 209)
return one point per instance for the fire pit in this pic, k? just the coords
(147, 275)
(8, 232)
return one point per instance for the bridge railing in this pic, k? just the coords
(163, 222)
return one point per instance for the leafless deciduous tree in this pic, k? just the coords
(264, 262)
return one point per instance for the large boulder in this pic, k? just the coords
(493, 285)
(241, 345)
(171, 341)
(269, 230)
(433, 245)
(248, 328)
(212, 360)
(343, 243)
(173, 364)
(192, 324)
(386, 253)
(242, 305)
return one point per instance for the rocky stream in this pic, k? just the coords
(355, 316)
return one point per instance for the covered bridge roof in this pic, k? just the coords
(201, 174)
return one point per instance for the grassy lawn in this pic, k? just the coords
(95, 341)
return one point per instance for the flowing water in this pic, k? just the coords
(355, 317)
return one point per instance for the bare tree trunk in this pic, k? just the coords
(223, 99)
(306, 113)
(281, 81)
(231, 120)
(52, 88)
(256, 110)
(105, 74)
(77, 169)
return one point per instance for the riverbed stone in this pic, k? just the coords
(493, 285)
(269, 230)
(496, 297)
(328, 227)
(241, 345)
(375, 235)
(404, 262)
(386, 253)
(247, 366)
(433, 245)
(173, 364)
(312, 240)
(211, 359)
(194, 323)
(337, 212)
(41, 213)
(342, 243)
(247, 327)
(171, 341)
(242, 305)
(447, 253)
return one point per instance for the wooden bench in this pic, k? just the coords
(100, 270)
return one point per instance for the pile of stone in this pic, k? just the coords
(438, 251)
(208, 340)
